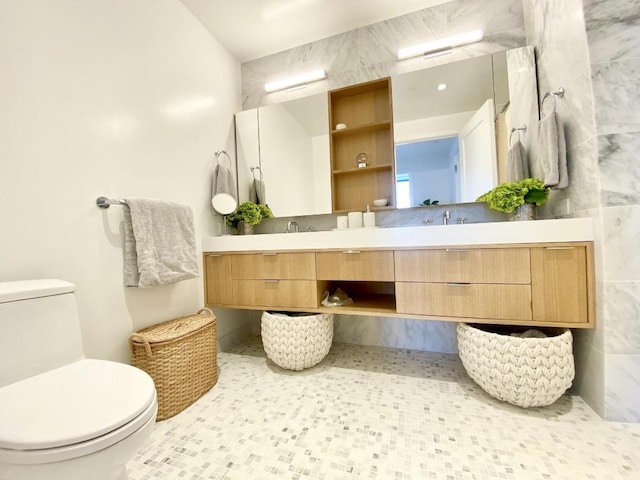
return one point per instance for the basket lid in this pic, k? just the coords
(176, 328)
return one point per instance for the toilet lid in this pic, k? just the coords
(72, 404)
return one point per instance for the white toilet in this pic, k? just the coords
(62, 416)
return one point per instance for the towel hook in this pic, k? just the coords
(253, 173)
(557, 93)
(522, 129)
(222, 152)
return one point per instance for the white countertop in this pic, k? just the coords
(533, 231)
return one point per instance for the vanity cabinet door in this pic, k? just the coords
(561, 281)
(275, 265)
(217, 280)
(464, 265)
(499, 302)
(356, 265)
(276, 293)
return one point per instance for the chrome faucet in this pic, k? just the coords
(292, 224)
(445, 217)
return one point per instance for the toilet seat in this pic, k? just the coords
(74, 410)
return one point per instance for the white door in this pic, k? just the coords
(478, 162)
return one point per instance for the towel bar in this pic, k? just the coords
(557, 93)
(104, 202)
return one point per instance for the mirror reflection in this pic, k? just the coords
(451, 129)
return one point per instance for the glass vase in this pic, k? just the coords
(526, 211)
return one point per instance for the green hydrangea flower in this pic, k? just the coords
(506, 197)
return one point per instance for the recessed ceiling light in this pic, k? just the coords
(442, 86)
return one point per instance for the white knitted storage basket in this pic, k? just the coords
(528, 372)
(297, 342)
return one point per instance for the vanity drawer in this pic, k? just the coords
(357, 265)
(503, 302)
(274, 265)
(465, 265)
(276, 293)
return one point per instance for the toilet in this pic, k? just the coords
(63, 416)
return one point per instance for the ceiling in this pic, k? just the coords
(251, 29)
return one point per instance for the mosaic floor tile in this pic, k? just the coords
(377, 413)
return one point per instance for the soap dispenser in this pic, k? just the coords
(369, 218)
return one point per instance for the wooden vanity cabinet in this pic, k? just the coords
(534, 284)
(465, 282)
(274, 279)
(217, 279)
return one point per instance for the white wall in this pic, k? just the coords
(107, 98)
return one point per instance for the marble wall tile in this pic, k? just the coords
(615, 88)
(489, 15)
(622, 395)
(619, 172)
(622, 318)
(589, 382)
(621, 227)
(370, 52)
(424, 335)
(613, 30)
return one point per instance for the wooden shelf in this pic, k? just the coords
(366, 109)
(371, 169)
(370, 127)
(378, 305)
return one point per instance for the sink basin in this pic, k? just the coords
(535, 231)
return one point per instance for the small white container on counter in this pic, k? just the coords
(355, 219)
(369, 218)
(343, 222)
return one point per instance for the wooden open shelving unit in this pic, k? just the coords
(366, 109)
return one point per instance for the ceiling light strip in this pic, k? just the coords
(442, 45)
(297, 80)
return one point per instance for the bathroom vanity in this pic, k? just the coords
(517, 273)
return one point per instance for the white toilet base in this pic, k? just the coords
(107, 464)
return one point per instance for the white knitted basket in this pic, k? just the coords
(297, 342)
(528, 372)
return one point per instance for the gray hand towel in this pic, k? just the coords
(223, 181)
(159, 243)
(517, 167)
(258, 192)
(552, 151)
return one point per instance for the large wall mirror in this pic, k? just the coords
(452, 125)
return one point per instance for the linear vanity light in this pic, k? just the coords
(297, 80)
(441, 46)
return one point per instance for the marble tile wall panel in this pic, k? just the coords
(370, 52)
(613, 30)
(589, 380)
(615, 87)
(474, 212)
(622, 395)
(430, 336)
(621, 226)
(622, 318)
(619, 172)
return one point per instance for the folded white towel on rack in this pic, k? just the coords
(552, 151)
(159, 243)
(517, 167)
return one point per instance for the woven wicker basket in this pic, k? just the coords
(180, 356)
(297, 342)
(528, 372)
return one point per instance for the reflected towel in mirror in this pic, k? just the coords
(517, 167)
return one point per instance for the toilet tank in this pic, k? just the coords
(39, 328)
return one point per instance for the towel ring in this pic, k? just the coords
(522, 129)
(557, 93)
(222, 152)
